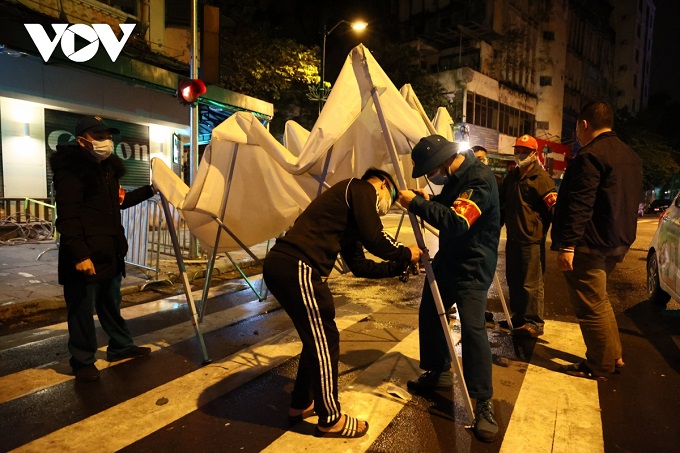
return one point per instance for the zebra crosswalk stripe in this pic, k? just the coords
(555, 412)
(371, 397)
(138, 417)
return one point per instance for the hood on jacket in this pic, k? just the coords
(85, 166)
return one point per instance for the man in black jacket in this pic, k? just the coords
(92, 244)
(594, 226)
(341, 219)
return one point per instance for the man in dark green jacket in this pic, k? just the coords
(527, 197)
(92, 244)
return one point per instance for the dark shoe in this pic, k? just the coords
(488, 316)
(130, 353)
(431, 380)
(486, 428)
(528, 329)
(88, 373)
(583, 371)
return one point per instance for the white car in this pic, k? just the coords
(663, 258)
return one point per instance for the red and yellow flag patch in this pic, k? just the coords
(121, 194)
(467, 209)
(550, 199)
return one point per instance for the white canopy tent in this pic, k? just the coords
(269, 183)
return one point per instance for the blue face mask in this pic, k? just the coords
(438, 179)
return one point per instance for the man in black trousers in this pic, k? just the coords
(92, 245)
(343, 219)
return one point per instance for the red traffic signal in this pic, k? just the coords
(189, 90)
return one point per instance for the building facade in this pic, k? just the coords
(633, 21)
(40, 101)
(513, 67)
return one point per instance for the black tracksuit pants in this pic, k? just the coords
(309, 303)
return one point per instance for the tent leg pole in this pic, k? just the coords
(425, 260)
(211, 263)
(245, 277)
(497, 282)
(401, 222)
(208, 277)
(185, 278)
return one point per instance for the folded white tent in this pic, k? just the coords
(253, 187)
(269, 183)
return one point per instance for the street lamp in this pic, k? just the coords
(357, 26)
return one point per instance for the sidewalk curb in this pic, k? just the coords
(14, 311)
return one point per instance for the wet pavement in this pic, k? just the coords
(29, 282)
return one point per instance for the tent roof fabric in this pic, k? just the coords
(266, 184)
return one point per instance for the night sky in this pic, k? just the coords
(665, 53)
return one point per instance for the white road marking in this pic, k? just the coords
(555, 412)
(369, 398)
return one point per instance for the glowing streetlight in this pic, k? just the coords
(357, 26)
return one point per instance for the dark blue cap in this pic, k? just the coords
(430, 152)
(93, 124)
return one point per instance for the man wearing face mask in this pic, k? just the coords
(467, 215)
(344, 219)
(527, 198)
(92, 244)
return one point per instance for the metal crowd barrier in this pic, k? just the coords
(138, 223)
(148, 235)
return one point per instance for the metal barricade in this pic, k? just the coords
(162, 234)
(140, 222)
(148, 235)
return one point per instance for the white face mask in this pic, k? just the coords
(384, 204)
(101, 149)
(524, 162)
(438, 179)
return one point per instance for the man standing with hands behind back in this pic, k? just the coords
(594, 226)
(92, 245)
(527, 197)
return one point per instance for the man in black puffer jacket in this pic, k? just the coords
(92, 245)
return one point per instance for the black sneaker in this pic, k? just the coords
(486, 428)
(503, 324)
(88, 373)
(431, 380)
(130, 353)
